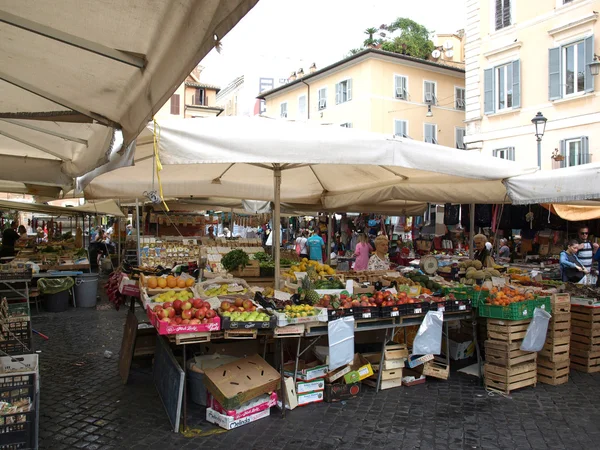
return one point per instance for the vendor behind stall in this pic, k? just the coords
(9, 237)
(571, 267)
(380, 260)
(481, 252)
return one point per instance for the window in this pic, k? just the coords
(459, 96)
(566, 1)
(431, 133)
(575, 151)
(199, 97)
(400, 87)
(343, 91)
(505, 153)
(503, 15)
(568, 69)
(302, 107)
(460, 138)
(175, 104)
(502, 87)
(322, 98)
(401, 128)
(429, 92)
(346, 125)
(283, 110)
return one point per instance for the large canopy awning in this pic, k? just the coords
(106, 208)
(79, 79)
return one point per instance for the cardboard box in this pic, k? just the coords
(238, 382)
(291, 398)
(337, 374)
(311, 386)
(352, 377)
(417, 360)
(250, 408)
(359, 366)
(229, 423)
(310, 397)
(306, 371)
(461, 347)
(338, 391)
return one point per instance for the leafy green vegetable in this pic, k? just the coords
(235, 259)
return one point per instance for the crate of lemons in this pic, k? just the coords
(305, 265)
(300, 311)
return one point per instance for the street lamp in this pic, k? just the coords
(540, 126)
(595, 66)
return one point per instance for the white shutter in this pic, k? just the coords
(511, 153)
(585, 150)
(338, 92)
(349, 90)
(563, 153)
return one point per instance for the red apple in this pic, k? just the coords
(247, 304)
(177, 305)
(186, 305)
(157, 308)
(167, 320)
(186, 314)
(197, 303)
(225, 305)
(194, 322)
(170, 311)
(205, 320)
(167, 305)
(199, 314)
(239, 302)
(210, 313)
(207, 305)
(178, 320)
(185, 322)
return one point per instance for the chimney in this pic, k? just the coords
(300, 72)
(292, 77)
(197, 71)
(312, 68)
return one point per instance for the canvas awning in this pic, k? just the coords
(79, 79)
(107, 208)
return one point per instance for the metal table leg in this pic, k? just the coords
(385, 340)
(476, 343)
(283, 390)
(184, 388)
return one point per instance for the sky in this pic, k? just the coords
(320, 31)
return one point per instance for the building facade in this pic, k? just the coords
(525, 57)
(381, 92)
(191, 99)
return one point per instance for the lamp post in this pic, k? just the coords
(595, 66)
(540, 126)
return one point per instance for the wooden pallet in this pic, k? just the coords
(296, 330)
(557, 349)
(507, 330)
(387, 384)
(506, 380)
(553, 373)
(560, 303)
(588, 365)
(241, 334)
(190, 338)
(506, 354)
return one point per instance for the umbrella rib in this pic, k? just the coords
(404, 178)
(317, 177)
(218, 179)
(31, 144)
(262, 166)
(42, 130)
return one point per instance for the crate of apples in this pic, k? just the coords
(187, 316)
(242, 313)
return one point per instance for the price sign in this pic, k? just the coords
(498, 281)
(418, 310)
(395, 313)
(462, 307)
(366, 315)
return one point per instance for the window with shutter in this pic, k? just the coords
(302, 107)
(569, 71)
(175, 104)
(488, 91)
(400, 87)
(401, 128)
(283, 112)
(576, 151)
(199, 97)
(343, 91)
(505, 153)
(503, 14)
(460, 138)
(459, 95)
(502, 87)
(431, 133)
(322, 98)
(429, 92)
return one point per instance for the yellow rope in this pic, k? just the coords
(159, 166)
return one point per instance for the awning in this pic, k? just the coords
(107, 208)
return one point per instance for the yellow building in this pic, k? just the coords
(191, 99)
(525, 57)
(379, 91)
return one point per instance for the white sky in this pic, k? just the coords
(320, 31)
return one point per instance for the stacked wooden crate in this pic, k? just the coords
(394, 358)
(553, 359)
(585, 337)
(507, 367)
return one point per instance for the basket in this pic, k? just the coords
(17, 430)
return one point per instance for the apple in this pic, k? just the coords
(197, 303)
(203, 309)
(194, 322)
(225, 305)
(177, 305)
(167, 304)
(210, 313)
(239, 302)
(178, 320)
(207, 305)
(205, 320)
(167, 320)
(186, 314)
(200, 313)
(157, 309)
(186, 305)
(185, 322)
(170, 312)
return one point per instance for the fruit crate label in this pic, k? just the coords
(395, 313)
(418, 310)
(462, 307)
(366, 315)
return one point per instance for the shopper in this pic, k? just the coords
(9, 237)
(22, 232)
(301, 244)
(315, 247)
(586, 248)
(211, 232)
(481, 252)
(380, 260)
(504, 252)
(362, 252)
(571, 267)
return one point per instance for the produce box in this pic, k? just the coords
(163, 328)
(310, 397)
(129, 287)
(21, 364)
(515, 311)
(306, 371)
(228, 324)
(229, 423)
(366, 312)
(337, 374)
(360, 369)
(310, 386)
(417, 360)
(283, 319)
(250, 408)
(338, 392)
(238, 382)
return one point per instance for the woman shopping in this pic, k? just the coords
(571, 268)
(361, 253)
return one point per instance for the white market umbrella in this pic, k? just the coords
(302, 163)
(79, 79)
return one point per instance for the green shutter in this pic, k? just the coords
(511, 153)
(589, 57)
(488, 91)
(554, 76)
(563, 153)
(516, 84)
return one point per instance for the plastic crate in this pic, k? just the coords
(22, 275)
(17, 430)
(392, 311)
(451, 306)
(514, 311)
(15, 337)
(479, 298)
(366, 312)
(415, 309)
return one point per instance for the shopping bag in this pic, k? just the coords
(428, 340)
(536, 332)
(341, 342)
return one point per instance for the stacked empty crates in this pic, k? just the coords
(585, 336)
(553, 359)
(507, 367)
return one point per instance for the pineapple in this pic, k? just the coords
(310, 295)
(312, 274)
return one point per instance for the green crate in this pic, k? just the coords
(514, 311)
(479, 298)
(542, 302)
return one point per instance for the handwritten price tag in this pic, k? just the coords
(395, 313)
(462, 307)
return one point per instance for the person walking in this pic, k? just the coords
(301, 243)
(9, 237)
(316, 244)
(362, 253)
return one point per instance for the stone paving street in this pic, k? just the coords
(85, 405)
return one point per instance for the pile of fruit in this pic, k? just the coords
(170, 282)
(171, 296)
(224, 289)
(297, 311)
(193, 312)
(506, 296)
(424, 281)
(243, 310)
(320, 269)
(332, 302)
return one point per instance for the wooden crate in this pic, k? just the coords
(560, 303)
(508, 379)
(241, 334)
(190, 338)
(556, 349)
(553, 373)
(436, 369)
(506, 354)
(396, 351)
(391, 374)
(507, 330)
(251, 270)
(585, 318)
(585, 364)
(560, 325)
(387, 384)
(585, 337)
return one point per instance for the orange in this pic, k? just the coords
(171, 281)
(152, 283)
(189, 282)
(180, 282)
(162, 283)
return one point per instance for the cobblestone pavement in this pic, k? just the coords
(85, 405)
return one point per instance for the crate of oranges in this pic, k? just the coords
(509, 304)
(158, 285)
